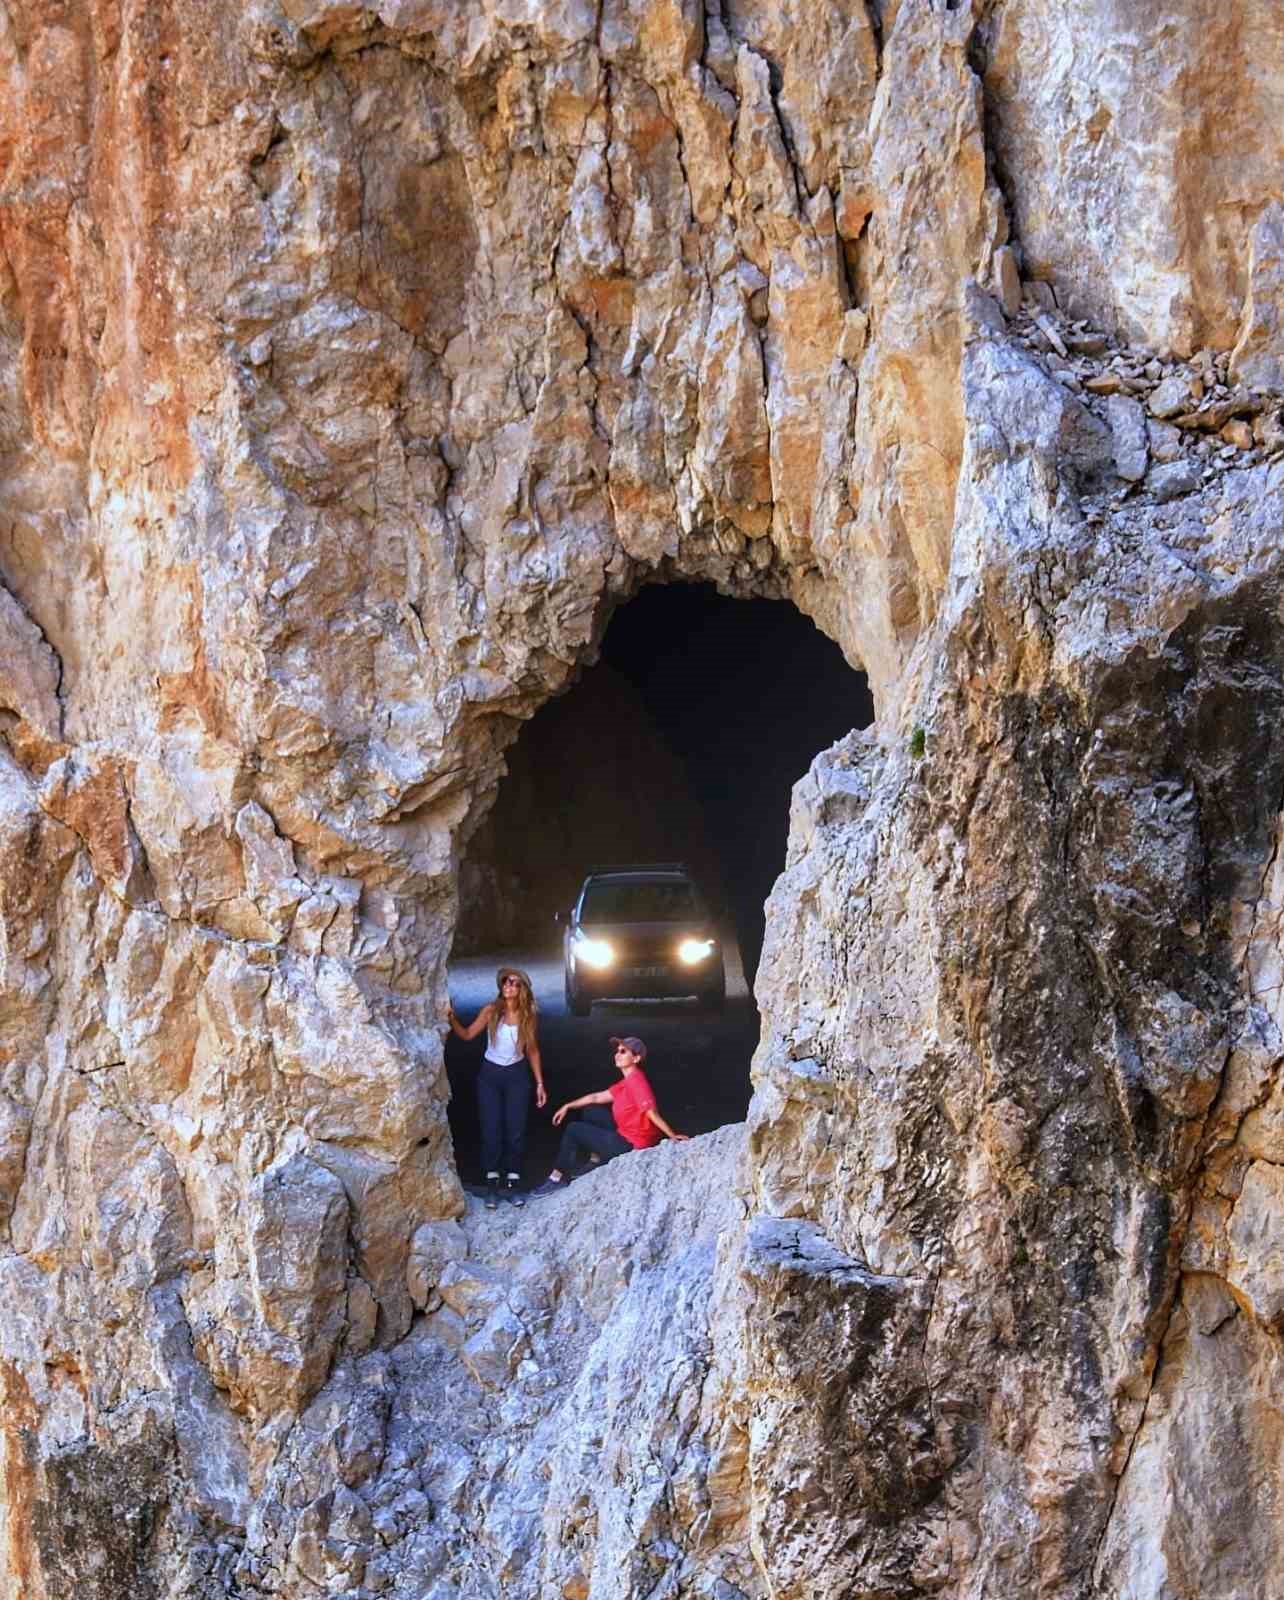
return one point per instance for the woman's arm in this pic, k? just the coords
(537, 1067)
(473, 1028)
(663, 1126)
(601, 1099)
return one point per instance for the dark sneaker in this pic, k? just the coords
(492, 1191)
(512, 1189)
(547, 1187)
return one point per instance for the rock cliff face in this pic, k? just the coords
(356, 360)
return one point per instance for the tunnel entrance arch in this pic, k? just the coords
(680, 743)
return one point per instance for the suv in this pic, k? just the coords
(641, 932)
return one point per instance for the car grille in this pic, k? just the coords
(646, 952)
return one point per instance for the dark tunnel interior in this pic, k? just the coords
(745, 693)
(682, 743)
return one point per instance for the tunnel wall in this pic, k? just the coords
(356, 361)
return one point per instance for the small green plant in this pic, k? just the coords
(918, 742)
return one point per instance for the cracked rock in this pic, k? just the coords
(1165, 441)
(1128, 428)
(1171, 481)
(1171, 397)
(1256, 1237)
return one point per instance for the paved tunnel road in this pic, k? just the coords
(698, 1063)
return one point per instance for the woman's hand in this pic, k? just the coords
(541, 1096)
(559, 1114)
(474, 1028)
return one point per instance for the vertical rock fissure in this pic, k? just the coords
(1120, 1481)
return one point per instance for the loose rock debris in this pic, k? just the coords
(1176, 424)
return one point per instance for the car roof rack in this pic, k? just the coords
(638, 866)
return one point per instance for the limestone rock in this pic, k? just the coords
(434, 1246)
(843, 1334)
(1104, 156)
(1209, 1353)
(29, 672)
(1261, 1133)
(15, 1127)
(1171, 397)
(1132, 448)
(270, 880)
(483, 1462)
(88, 792)
(1268, 431)
(1256, 1237)
(298, 1226)
(1172, 480)
(358, 358)
(1256, 356)
(494, 1352)
(1007, 280)
(1165, 441)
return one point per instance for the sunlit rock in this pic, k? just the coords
(358, 358)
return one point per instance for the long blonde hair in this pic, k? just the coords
(527, 1010)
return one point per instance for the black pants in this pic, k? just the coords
(503, 1104)
(593, 1133)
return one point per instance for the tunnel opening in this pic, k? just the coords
(680, 745)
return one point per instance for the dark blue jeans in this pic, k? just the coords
(503, 1104)
(593, 1132)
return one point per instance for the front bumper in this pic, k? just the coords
(654, 981)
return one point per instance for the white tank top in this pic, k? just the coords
(505, 1049)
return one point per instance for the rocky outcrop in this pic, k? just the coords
(549, 1426)
(1046, 1032)
(1123, 163)
(356, 360)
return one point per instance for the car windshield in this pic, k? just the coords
(672, 901)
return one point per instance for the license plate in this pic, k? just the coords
(646, 972)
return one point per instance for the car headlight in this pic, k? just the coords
(693, 951)
(594, 952)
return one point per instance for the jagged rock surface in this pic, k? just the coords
(356, 359)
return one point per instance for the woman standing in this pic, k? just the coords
(503, 1083)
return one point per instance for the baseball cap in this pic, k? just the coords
(632, 1043)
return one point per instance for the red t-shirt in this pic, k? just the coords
(631, 1099)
